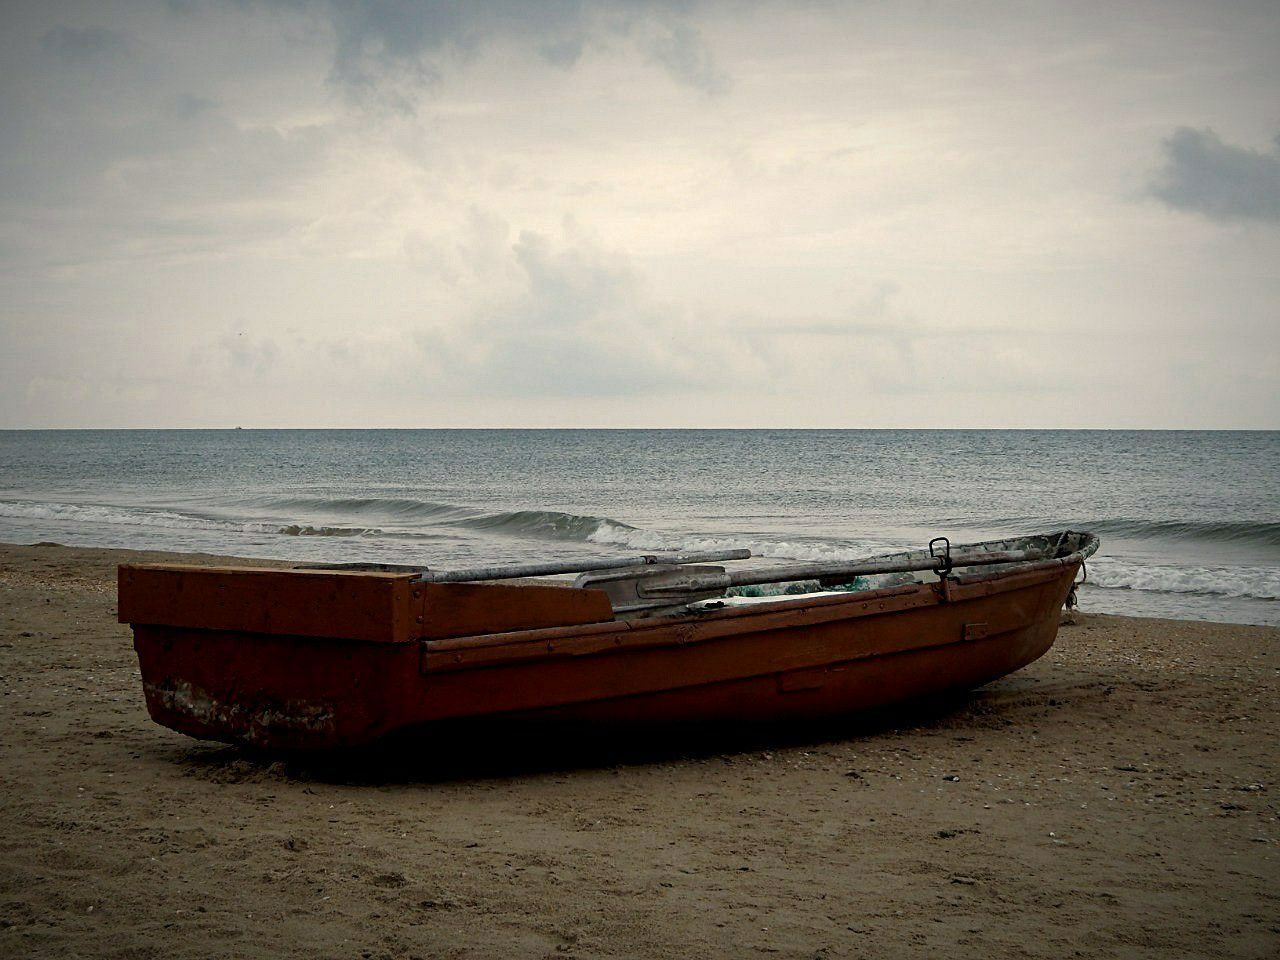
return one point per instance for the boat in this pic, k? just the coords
(339, 656)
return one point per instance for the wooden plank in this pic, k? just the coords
(377, 607)
(466, 609)
(740, 623)
(353, 605)
(554, 681)
(731, 622)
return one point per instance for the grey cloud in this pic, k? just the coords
(1204, 175)
(578, 328)
(122, 168)
(687, 58)
(174, 183)
(577, 321)
(389, 49)
(189, 105)
(80, 44)
(116, 145)
(564, 52)
(238, 355)
(111, 142)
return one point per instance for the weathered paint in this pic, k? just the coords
(259, 723)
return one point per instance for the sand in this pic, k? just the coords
(1115, 799)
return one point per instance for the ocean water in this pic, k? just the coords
(1190, 521)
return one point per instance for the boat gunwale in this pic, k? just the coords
(509, 649)
(782, 604)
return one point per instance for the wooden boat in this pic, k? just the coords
(340, 656)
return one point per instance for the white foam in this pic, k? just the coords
(1260, 583)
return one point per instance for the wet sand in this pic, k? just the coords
(1115, 799)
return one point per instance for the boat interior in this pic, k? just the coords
(658, 585)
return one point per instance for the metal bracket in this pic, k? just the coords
(941, 560)
(942, 564)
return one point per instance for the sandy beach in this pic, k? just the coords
(1115, 799)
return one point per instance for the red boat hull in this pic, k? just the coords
(289, 661)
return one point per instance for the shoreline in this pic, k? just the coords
(1113, 798)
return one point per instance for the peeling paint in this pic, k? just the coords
(259, 723)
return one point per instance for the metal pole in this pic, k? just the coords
(681, 583)
(510, 571)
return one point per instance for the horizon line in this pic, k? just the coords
(241, 428)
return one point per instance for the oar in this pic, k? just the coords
(510, 571)
(513, 570)
(675, 584)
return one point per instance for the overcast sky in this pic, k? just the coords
(558, 213)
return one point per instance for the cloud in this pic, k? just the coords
(237, 355)
(1204, 175)
(535, 318)
(82, 44)
(688, 59)
(134, 133)
(388, 50)
(185, 179)
(176, 172)
(573, 319)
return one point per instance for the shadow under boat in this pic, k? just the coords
(497, 749)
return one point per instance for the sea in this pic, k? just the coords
(1189, 521)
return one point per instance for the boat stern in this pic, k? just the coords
(308, 659)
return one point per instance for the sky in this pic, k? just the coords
(377, 213)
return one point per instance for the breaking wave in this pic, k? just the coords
(538, 524)
(534, 524)
(1257, 583)
(136, 517)
(384, 508)
(551, 524)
